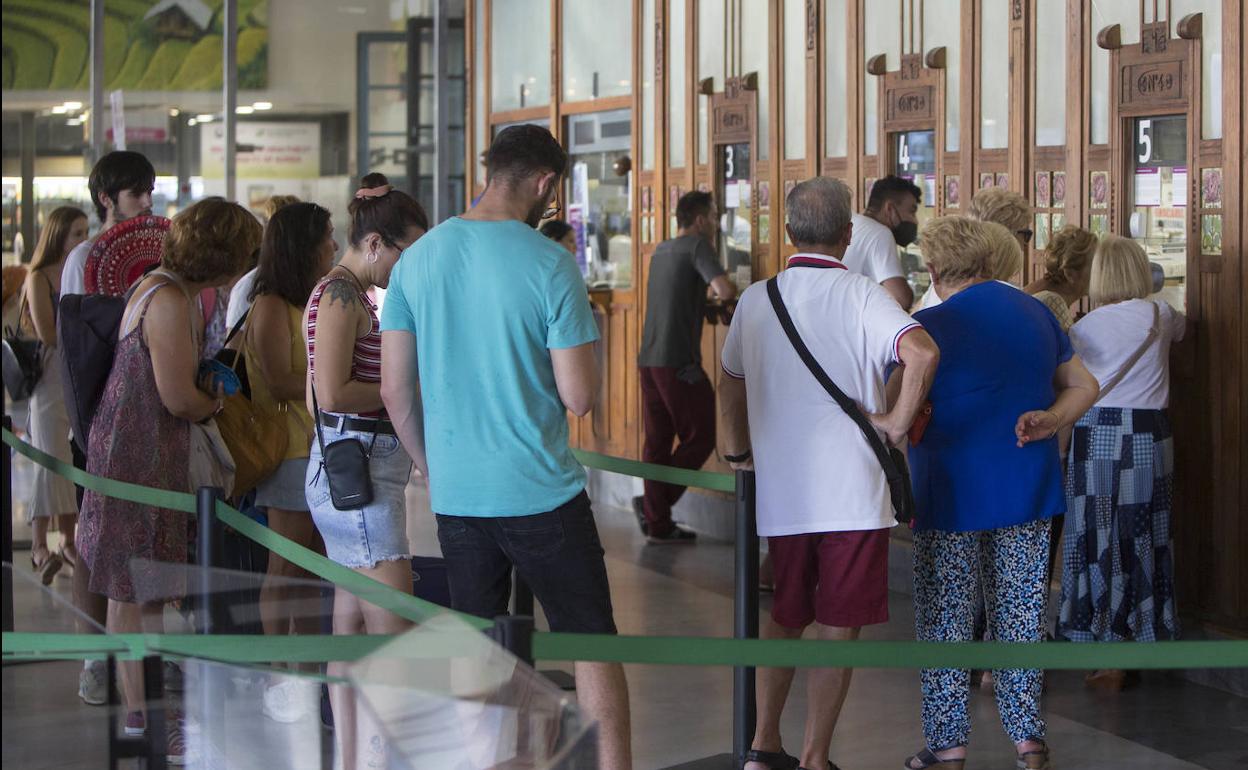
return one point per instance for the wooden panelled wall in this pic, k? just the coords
(1210, 392)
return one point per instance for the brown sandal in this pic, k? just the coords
(1033, 760)
(48, 568)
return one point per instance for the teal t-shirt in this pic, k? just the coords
(487, 301)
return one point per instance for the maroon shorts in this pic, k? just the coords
(833, 578)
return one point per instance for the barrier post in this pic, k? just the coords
(744, 626)
(745, 615)
(515, 634)
(6, 546)
(208, 546)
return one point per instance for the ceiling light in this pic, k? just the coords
(262, 105)
(74, 122)
(244, 110)
(205, 118)
(173, 113)
(192, 122)
(59, 109)
(73, 106)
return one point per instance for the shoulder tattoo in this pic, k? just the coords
(342, 291)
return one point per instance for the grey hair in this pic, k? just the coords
(819, 210)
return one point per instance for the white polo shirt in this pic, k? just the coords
(873, 251)
(815, 470)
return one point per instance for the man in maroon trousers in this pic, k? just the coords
(678, 401)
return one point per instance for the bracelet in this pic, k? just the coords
(747, 454)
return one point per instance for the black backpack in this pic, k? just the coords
(86, 337)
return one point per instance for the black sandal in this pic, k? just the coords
(1033, 760)
(927, 758)
(776, 760)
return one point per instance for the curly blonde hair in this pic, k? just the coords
(275, 203)
(211, 242)
(1001, 206)
(1070, 253)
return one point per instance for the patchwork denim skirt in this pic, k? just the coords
(376, 533)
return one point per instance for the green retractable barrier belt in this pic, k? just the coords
(677, 651)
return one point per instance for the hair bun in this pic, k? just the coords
(375, 179)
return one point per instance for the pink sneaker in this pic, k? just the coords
(136, 725)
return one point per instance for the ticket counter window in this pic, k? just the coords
(1157, 213)
(915, 160)
(598, 193)
(735, 236)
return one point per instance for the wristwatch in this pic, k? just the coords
(747, 454)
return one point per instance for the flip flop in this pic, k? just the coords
(48, 569)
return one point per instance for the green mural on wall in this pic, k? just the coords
(149, 45)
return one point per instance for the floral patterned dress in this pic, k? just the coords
(135, 438)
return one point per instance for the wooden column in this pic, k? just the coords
(968, 102)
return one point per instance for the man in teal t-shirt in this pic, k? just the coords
(487, 342)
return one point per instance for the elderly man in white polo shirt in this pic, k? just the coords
(823, 500)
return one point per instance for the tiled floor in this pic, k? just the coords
(681, 714)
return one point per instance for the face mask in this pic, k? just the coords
(904, 233)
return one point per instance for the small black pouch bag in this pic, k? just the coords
(345, 465)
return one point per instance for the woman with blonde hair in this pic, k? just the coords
(1118, 558)
(65, 228)
(141, 432)
(1067, 270)
(987, 480)
(1008, 211)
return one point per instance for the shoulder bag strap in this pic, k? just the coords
(1135, 357)
(237, 325)
(316, 415)
(846, 403)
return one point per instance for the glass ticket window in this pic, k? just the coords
(1157, 208)
(915, 154)
(599, 191)
(735, 241)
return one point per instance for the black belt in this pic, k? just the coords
(341, 423)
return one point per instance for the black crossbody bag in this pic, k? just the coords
(345, 465)
(891, 459)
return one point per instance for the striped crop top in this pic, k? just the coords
(366, 357)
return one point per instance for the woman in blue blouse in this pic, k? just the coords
(987, 479)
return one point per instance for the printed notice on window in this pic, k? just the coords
(1178, 187)
(1148, 187)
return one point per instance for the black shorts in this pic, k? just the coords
(557, 553)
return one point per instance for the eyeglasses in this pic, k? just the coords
(1025, 235)
(551, 211)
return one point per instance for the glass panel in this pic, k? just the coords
(914, 158)
(520, 59)
(596, 65)
(676, 86)
(942, 26)
(836, 120)
(479, 89)
(994, 75)
(794, 79)
(647, 85)
(1210, 61)
(735, 244)
(881, 37)
(599, 209)
(755, 58)
(1051, 73)
(1158, 198)
(711, 53)
(1105, 13)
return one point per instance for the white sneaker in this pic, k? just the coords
(93, 683)
(292, 699)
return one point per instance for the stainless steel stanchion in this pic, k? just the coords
(208, 546)
(745, 626)
(6, 547)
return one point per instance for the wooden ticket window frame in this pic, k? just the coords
(734, 120)
(912, 98)
(1157, 77)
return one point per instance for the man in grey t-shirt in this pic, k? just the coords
(678, 402)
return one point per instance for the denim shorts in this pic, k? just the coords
(557, 553)
(286, 488)
(377, 532)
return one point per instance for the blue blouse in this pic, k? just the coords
(999, 351)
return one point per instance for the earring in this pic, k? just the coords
(372, 256)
